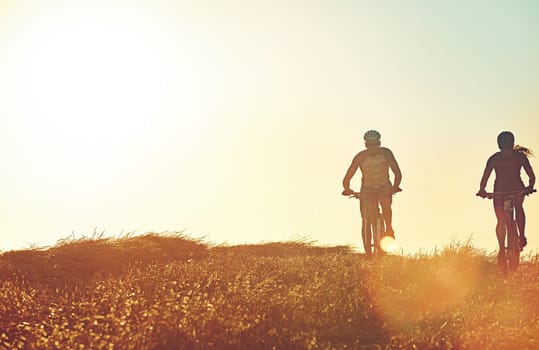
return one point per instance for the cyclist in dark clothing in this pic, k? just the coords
(507, 165)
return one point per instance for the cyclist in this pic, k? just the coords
(507, 164)
(375, 162)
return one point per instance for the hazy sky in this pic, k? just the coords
(236, 120)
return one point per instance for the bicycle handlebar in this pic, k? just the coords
(491, 195)
(358, 194)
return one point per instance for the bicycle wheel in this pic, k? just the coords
(513, 249)
(366, 235)
(368, 225)
(377, 234)
(366, 232)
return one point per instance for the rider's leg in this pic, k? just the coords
(387, 213)
(520, 218)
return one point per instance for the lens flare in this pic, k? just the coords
(388, 244)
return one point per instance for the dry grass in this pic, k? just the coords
(283, 249)
(82, 259)
(154, 292)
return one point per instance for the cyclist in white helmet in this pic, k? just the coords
(375, 162)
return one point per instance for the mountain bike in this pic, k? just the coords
(510, 258)
(373, 224)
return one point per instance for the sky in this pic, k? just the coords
(235, 121)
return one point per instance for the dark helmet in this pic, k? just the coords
(506, 140)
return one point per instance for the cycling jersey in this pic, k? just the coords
(507, 170)
(374, 164)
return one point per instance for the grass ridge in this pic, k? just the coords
(173, 292)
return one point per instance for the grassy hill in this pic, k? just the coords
(172, 292)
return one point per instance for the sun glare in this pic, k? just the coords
(93, 81)
(89, 86)
(388, 244)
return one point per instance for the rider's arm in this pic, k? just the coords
(397, 172)
(350, 173)
(486, 175)
(394, 167)
(531, 176)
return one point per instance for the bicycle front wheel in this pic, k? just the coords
(377, 234)
(513, 248)
(366, 235)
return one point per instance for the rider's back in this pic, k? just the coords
(374, 165)
(507, 169)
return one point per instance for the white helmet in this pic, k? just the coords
(372, 136)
